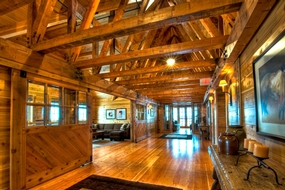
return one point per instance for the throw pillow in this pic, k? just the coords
(122, 128)
(94, 126)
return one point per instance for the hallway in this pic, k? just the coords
(180, 163)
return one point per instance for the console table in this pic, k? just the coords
(233, 177)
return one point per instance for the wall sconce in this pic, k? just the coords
(211, 98)
(224, 83)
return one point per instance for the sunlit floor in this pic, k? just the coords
(184, 164)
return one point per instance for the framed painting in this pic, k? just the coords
(269, 83)
(121, 113)
(110, 114)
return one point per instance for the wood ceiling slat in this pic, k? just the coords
(7, 6)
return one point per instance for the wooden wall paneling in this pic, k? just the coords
(5, 99)
(133, 121)
(270, 29)
(89, 122)
(100, 105)
(221, 121)
(160, 118)
(17, 137)
(56, 151)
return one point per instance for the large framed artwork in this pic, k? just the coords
(121, 113)
(110, 114)
(269, 82)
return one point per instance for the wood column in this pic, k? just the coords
(17, 137)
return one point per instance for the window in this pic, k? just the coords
(46, 106)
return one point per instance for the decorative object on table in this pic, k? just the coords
(121, 113)
(110, 114)
(251, 145)
(239, 133)
(103, 182)
(269, 82)
(228, 143)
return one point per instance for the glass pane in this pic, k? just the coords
(140, 112)
(166, 112)
(189, 115)
(53, 113)
(35, 115)
(69, 116)
(69, 97)
(182, 116)
(175, 114)
(36, 93)
(82, 114)
(54, 95)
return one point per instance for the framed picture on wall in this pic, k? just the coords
(121, 113)
(110, 114)
(269, 82)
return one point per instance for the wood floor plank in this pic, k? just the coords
(178, 163)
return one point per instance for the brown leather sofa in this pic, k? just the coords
(109, 127)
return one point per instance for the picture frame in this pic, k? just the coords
(110, 114)
(121, 113)
(269, 85)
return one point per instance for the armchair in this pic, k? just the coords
(176, 125)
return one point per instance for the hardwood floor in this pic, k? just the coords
(179, 163)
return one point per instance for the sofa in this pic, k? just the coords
(118, 131)
(176, 125)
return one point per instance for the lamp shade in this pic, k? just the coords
(211, 98)
(223, 83)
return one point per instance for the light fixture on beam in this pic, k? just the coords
(170, 61)
(224, 83)
(211, 98)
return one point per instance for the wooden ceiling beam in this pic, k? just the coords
(174, 76)
(170, 84)
(181, 48)
(182, 99)
(162, 68)
(42, 20)
(85, 24)
(154, 20)
(193, 92)
(167, 87)
(249, 18)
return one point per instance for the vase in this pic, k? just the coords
(239, 133)
(228, 143)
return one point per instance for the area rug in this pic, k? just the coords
(104, 183)
(100, 143)
(176, 136)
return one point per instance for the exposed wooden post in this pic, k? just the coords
(17, 137)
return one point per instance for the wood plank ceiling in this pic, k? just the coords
(129, 41)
